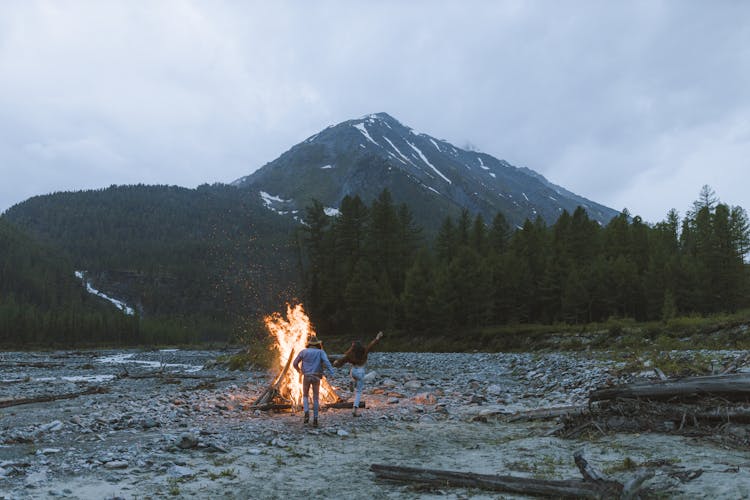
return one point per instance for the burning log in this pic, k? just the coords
(593, 485)
(272, 391)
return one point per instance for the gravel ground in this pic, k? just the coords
(193, 435)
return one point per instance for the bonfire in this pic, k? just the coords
(290, 336)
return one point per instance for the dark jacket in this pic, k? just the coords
(356, 355)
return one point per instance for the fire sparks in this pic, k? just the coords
(291, 336)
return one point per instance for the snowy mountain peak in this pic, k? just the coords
(377, 152)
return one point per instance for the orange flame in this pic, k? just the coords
(291, 336)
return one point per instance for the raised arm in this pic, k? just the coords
(374, 341)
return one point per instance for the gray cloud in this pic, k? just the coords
(631, 104)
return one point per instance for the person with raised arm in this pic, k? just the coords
(357, 356)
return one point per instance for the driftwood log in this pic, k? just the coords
(5, 403)
(734, 365)
(174, 376)
(730, 387)
(706, 406)
(593, 485)
(34, 364)
(547, 413)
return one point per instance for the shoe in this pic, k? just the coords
(307, 417)
(355, 414)
(315, 422)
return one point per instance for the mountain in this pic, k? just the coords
(434, 177)
(206, 255)
(43, 303)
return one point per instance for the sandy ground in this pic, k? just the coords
(422, 409)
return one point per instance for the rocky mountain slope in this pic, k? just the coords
(366, 155)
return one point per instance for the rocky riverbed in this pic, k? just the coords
(173, 423)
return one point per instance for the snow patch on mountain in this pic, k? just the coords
(118, 303)
(424, 159)
(268, 199)
(361, 127)
(398, 150)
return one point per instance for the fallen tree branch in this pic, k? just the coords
(34, 364)
(564, 488)
(545, 413)
(174, 375)
(732, 387)
(731, 367)
(5, 403)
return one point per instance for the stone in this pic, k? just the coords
(342, 433)
(179, 471)
(424, 398)
(413, 384)
(494, 390)
(187, 441)
(116, 464)
(370, 376)
(389, 383)
(279, 442)
(48, 451)
(149, 423)
(53, 426)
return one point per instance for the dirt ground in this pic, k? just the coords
(151, 438)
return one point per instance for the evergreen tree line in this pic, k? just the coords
(368, 268)
(192, 262)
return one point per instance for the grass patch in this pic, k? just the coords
(723, 331)
(226, 473)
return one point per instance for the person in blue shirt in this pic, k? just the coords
(313, 360)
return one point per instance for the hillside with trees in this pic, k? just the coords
(367, 268)
(202, 264)
(192, 262)
(43, 303)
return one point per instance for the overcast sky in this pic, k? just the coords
(630, 104)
